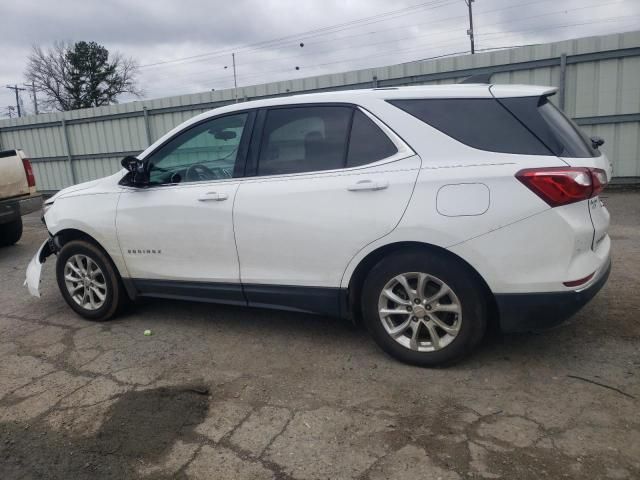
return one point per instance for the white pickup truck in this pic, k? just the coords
(17, 194)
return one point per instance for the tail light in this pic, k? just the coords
(31, 179)
(563, 185)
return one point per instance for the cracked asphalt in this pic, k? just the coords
(221, 392)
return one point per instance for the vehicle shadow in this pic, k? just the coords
(301, 330)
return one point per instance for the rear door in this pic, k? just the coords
(327, 180)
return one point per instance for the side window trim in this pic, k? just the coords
(251, 170)
(345, 154)
(251, 164)
(243, 147)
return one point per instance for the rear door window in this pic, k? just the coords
(481, 123)
(316, 138)
(304, 139)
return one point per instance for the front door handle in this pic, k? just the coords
(363, 185)
(212, 196)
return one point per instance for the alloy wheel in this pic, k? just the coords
(85, 282)
(420, 311)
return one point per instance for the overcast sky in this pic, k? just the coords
(338, 35)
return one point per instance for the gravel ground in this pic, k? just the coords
(220, 392)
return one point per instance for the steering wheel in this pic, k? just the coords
(198, 173)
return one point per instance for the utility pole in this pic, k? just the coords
(470, 31)
(35, 99)
(17, 89)
(235, 78)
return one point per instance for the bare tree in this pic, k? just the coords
(80, 75)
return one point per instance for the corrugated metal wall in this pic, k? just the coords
(598, 79)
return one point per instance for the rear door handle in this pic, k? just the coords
(212, 196)
(368, 185)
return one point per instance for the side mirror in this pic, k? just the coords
(596, 142)
(136, 169)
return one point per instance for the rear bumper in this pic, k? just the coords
(30, 204)
(13, 208)
(9, 211)
(523, 312)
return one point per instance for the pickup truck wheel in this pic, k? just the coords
(10, 232)
(88, 281)
(424, 309)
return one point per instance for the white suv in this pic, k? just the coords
(424, 211)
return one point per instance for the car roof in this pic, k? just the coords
(470, 90)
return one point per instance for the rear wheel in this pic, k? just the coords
(424, 309)
(10, 232)
(88, 281)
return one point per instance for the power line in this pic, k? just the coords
(311, 33)
(344, 37)
(428, 35)
(210, 55)
(566, 25)
(395, 52)
(360, 34)
(415, 25)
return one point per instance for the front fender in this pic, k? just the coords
(93, 215)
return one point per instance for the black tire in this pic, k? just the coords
(10, 232)
(457, 276)
(115, 297)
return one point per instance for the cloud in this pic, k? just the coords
(164, 30)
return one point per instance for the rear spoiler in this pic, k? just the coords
(484, 78)
(506, 90)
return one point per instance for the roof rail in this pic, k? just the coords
(478, 78)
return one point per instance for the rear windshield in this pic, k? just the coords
(560, 134)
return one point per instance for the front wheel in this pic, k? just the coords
(424, 309)
(88, 281)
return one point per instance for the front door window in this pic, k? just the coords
(205, 152)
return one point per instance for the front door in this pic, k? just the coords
(177, 234)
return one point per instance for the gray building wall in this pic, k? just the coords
(599, 80)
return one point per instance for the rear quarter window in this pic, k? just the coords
(367, 142)
(481, 123)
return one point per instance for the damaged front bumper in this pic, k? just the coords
(35, 266)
